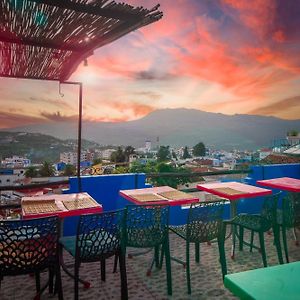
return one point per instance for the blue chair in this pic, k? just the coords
(99, 236)
(30, 246)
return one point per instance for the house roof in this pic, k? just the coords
(48, 39)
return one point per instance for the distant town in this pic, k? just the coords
(149, 158)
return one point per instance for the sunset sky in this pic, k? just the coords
(223, 56)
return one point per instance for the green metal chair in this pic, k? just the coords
(204, 224)
(259, 223)
(289, 217)
(29, 247)
(146, 226)
(99, 236)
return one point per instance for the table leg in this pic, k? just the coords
(233, 213)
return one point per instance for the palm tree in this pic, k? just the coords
(31, 172)
(47, 170)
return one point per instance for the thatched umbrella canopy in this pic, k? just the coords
(48, 39)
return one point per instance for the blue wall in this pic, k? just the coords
(105, 190)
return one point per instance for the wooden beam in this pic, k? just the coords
(91, 9)
(35, 43)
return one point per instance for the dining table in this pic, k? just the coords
(158, 195)
(164, 195)
(288, 184)
(233, 191)
(279, 282)
(62, 205)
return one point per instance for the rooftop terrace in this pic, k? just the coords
(206, 277)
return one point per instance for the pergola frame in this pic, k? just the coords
(48, 39)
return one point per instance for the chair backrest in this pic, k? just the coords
(269, 208)
(146, 225)
(99, 235)
(205, 221)
(291, 210)
(27, 246)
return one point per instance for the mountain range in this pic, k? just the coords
(178, 127)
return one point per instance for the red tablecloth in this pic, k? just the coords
(282, 183)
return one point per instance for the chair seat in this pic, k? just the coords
(179, 230)
(69, 243)
(251, 222)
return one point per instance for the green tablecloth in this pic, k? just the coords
(280, 282)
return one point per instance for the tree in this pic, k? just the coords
(97, 161)
(118, 156)
(163, 154)
(174, 155)
(69, 170)
(128, 151)
(186, 153)
(199, 149)
(31, 172)
(47, 170)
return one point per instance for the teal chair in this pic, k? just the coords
(99, 236)
(204, 224)
(260, 224)
(289, 217)
(146, 226)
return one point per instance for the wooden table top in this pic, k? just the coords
(233, 190)
(282, 183)
(158, 195)
(63, 205)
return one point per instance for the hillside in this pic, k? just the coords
(178, 127)
(36, 146)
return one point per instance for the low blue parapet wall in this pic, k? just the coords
(105, 190)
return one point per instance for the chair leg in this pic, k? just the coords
(262, 248)
(285, 244)
(102, 264)
(156, 256)
(241, 238)
(277, 243)
(115, 263)
(251, 240)
(58, 283)
(197, 252)
(76, 280)
(166, 249)
(50, 280)
(221, 241)
(37, 281)
(123, 274)
(188, 274)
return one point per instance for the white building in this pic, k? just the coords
(10, 177)
(16, 162)
(71, 157)
(106, 154)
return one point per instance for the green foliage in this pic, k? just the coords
(163, 153)
(121, 170)
(186, 153)
(47, 170)
(174, 155)
(292, 132)
(160, 167)
(128, 151)
(118, 156)
(31, 172)
(97, 161)
(199, 149)
(69, 170)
